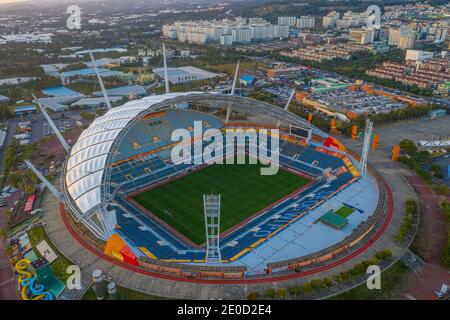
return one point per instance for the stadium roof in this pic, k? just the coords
(86, 167)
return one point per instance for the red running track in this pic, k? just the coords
(331, 265)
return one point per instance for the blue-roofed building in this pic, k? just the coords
(69, 76)
(126, 91)
(19, 110)
(247, 80)
(61, 91)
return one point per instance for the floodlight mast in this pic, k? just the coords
(52, 125)
(366, 145)
(47, 183)
(211, 205)
(100, 81)
(233, 88)
(288, 103)
(166, 74)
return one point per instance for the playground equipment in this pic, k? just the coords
(31, 290)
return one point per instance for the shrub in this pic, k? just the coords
(253, 296)
(327, 282)
(383, 254)
(295, 291)
(281, 293)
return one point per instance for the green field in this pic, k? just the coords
(344, 211)
(243, 192)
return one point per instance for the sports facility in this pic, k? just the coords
(243, 189)
(130, 201)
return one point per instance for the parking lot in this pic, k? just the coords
(359, 102)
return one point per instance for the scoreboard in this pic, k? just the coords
(304, 133)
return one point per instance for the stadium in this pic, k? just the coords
(126, 200)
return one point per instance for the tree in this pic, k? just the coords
(408, 146)
(281, 293)
(30, 189)
(307, 288)
(88, 116)
(441, 189)
(5, 112)
(316, 284)
(270, 293)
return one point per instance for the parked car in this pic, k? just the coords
(37, 211)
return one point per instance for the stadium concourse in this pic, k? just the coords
(127, 152)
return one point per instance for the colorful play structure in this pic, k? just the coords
(36, 280)
(28, 280)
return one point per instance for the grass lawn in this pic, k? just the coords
(243, 192)
(123, 294)
(392, 282)
(344, 211)
(60, 264)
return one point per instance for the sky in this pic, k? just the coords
(11, 1)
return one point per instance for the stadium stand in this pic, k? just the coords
(134, 169)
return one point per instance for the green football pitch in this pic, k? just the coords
(344, 211)
(243, 192)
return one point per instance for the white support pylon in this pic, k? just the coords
(100, 81)
(233, 89)
(47, 183)
(52, 125)
(366, 145)
(288, 103)
(166, 74)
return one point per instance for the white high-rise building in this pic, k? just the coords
(407, 40)
(306, 22)
(224, 31)
(243, 35)
(226, 40)
(169, 31)
(287, 21)
(281, 32)
(261, 32)
(394, 36)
